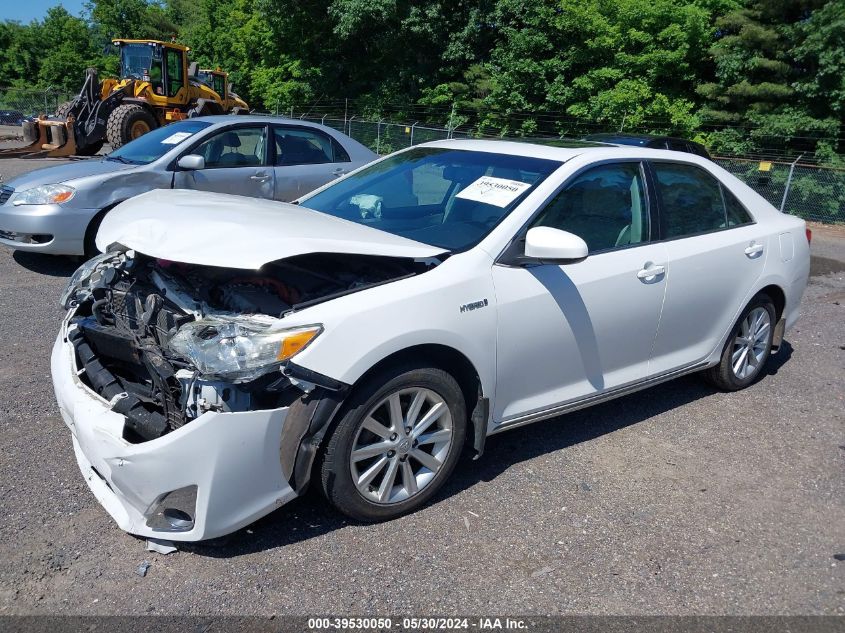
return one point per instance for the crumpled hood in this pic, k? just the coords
(63, 173)
(214, 229)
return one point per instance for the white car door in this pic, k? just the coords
(569, 331)
(305, 158)
(716, 254)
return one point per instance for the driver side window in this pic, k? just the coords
(241, 147)
(605, 206)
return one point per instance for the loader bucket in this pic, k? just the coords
(50, 139)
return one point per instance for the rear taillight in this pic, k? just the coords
(809, 236)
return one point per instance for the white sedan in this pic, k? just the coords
(225, 351)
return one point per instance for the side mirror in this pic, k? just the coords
(553, 245)
(191, 161)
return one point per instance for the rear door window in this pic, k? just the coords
(691, 200)
(297, 146)
(737, 213)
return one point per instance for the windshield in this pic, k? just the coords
(153, 145)
(136, 60)
(443, 197)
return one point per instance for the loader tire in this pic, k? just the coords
(62, 110)
(128, 122)
(92, 149)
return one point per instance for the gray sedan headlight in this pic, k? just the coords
(81, 279)
(44, 194)
(239, 348)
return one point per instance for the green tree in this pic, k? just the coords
(761, 82)
(131, 19)
(631, 61)
(70, 52)
(820, 53)
(21, 52)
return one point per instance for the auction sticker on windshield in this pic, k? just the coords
(499, 192)
(178, 137)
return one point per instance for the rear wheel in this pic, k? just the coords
(396, 444)
(748, 348)
(128, 122)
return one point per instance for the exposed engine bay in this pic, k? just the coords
(164, 342)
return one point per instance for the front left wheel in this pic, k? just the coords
(396, 443)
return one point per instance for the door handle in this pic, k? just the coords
(339, 170)
(650, 270)
(754, 249)
(260, 177)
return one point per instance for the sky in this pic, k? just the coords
(26, 10)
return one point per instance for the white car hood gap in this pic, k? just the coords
(213, 229)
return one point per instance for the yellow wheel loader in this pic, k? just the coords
(157, 86)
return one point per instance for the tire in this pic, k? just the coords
(748, 347)
(63, 109)
(89, 243)
(91, 149)
(127, 122)
(414, 483)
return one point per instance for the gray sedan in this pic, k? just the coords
(58, 210)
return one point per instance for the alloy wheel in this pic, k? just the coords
(751, 343)
(401, 445)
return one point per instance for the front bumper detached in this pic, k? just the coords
(214, 475)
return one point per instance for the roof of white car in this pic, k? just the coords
(562, 149)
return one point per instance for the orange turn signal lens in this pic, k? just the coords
(295, 343)
(62, 196)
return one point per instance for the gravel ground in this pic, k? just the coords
(676, 500)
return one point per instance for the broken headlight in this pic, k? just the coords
(81, 280)
(239, 349)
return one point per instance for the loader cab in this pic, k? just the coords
(216, 80)
(162, 64)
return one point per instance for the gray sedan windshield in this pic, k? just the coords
(155, 144)
(443, 197)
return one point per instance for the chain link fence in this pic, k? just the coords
(384, 137)
(810, 191)
(803, 187)
(16, 104)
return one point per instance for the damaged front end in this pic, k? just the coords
(179, 353)
(164, 342)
